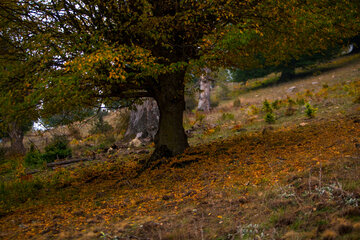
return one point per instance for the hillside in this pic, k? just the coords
(242, 178)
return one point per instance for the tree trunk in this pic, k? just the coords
(204, 97)
(287, 74)
(170, 139)
(16, 135)
(144, 121)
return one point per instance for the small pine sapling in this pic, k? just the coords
(310, 110)
(276, 104)
(267, 107)
(269, 117)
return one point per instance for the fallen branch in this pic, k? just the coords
(32, 172)
(53, 164)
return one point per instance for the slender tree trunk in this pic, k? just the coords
(16, 137)
(170, 139)
(204, 96)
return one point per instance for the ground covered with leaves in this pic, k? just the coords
(301, 182)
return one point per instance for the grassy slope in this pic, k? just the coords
(294, 182)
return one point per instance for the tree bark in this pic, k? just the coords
(170, 138)
(16, 135)
(144, 121)
(287, 74)
(204, 96)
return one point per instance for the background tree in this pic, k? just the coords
(305, 34)
(19, 63)
(205, 87)
(288, 67)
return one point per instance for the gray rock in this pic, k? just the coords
(135, 143)
(291, 89)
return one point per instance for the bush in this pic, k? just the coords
(276, 104)
(310, 110)
(57, 149)
(33, 157)
(269, 118)
(267, 107)
(100, 126)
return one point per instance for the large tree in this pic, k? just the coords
(19, 63)
(120, 49)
